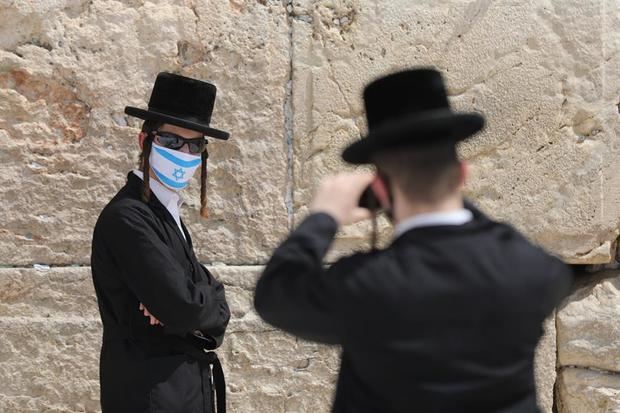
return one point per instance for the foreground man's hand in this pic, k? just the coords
(338, 196)
(154, 321)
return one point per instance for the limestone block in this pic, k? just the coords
(278, 373)
(544, 366)
(55, 292)
(67, 70)
(267, 370)
(49, 364)
(51, 334)
(69, 292)
(545, 75)
(588, 391)
(239, 283)
(587, 322)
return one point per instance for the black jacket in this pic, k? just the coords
(140, 256)
(446, 319)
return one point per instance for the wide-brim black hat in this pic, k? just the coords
(181, 101)
(410, 109)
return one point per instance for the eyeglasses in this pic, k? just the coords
(173, 141)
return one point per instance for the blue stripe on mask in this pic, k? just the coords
(169, 182)
(177, 161)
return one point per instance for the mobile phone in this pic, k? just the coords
(369, 200)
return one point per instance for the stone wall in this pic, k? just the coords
(546, 73)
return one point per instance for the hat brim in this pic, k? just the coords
(434, 128)
(173, 120)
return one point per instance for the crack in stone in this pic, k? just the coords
(288, 125)
(525, 123)
(34, 42)
(306, 18)
(613, 246)
(332, 76)
(555, 391)
(46, 267)
(192, 7)
(253, 330)
(481, 81)
(475, 12)
(592, 369)
(186, 52)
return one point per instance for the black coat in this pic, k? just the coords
(446, 319)
(140, 256)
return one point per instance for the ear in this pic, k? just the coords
(382, 191)
(141, 137)
(464, 173)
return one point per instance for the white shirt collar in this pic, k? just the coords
(169, 198)
(457, 217)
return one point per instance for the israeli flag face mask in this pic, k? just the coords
(173, 168)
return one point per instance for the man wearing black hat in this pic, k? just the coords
(162, 311)
(447, 317)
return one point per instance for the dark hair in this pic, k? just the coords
(204, 211)
(426, 174)
(148, 127)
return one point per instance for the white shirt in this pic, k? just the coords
(169, 198)
(457, 217)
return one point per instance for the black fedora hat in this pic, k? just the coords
(410, 109)
(181, 101)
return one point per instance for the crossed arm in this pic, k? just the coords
(166, 295)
